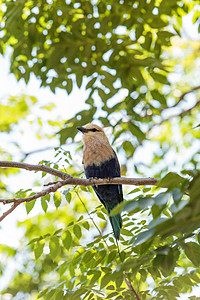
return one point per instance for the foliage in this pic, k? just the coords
(143, 81)
(150, 248)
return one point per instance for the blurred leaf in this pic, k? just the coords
(162, 199)
(67, 195)
(38, 249)
(67, 239)
(54, 247)
(44, 204)
(77, 231)
(171, 180)
(143, 237)
(177, 195)
(57, 199)
(192, 251)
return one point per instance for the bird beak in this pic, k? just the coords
(82, 129)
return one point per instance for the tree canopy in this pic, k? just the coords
(141, 73)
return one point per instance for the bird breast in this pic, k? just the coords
(96, 153)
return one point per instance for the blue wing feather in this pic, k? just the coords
(109, 195)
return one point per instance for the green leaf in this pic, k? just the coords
(54, 247)
(87, 256)
(69, 85)
(101, 215)
(57, 199)
(91, 82)
(117, 209)
(148, 41)
(157, 96)
(68, 195)
(196, 16)
(105, 280)
(86, 225)
(145, 202)
(44, 204)
(42, 293)
(95, 278)
(58, 231)
(192, 251)
(38, 249)
(194, 190)
(77, 231)
(111, 256)
(166, 262)
(67, 239)
(177, 195)
(198, 237)
(159, 78)
(134, 191)
(143, 237)
(156, 211)
(126, 232)
(162, 199)
(171, 180)
(30, 205)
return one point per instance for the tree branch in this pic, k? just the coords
(67, 179)
(29, 167)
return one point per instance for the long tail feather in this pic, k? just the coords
(116, 222)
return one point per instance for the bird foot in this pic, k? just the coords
(91, 179)
(109, 179)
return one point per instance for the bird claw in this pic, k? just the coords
(91, 179)
(108, 179)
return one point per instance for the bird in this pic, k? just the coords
(100, 161)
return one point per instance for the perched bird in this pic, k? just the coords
(100, 161)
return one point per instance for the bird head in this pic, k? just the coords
(92, 131)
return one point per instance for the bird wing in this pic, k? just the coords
(117, 163)
(107, 169)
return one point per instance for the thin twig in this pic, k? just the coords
(181, 114)
(52, 189)
(91, 218)
(38, 150)
(5, 214)
(184, 94)
(131, 287)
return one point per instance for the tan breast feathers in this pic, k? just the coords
(94, 151)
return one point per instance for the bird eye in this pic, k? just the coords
(94, 129)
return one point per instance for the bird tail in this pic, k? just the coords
(116, 222)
